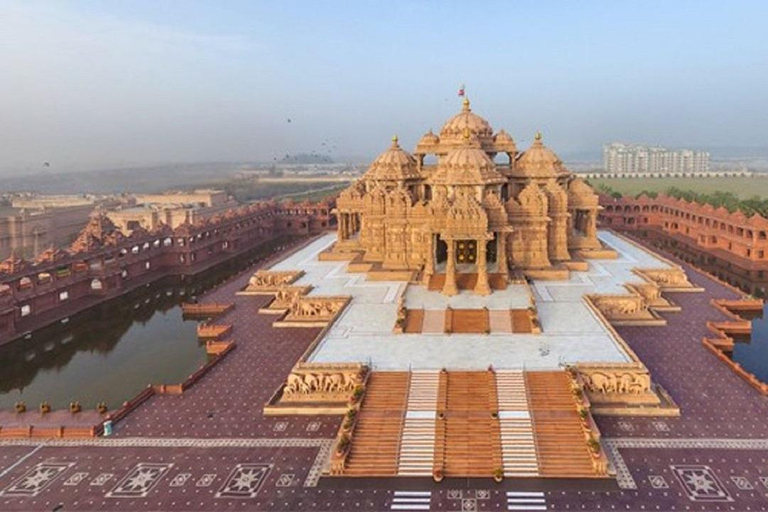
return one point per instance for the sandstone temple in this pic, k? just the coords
(484, 207)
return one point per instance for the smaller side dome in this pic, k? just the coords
(503, 142)
(502, 137)
(429, 138)
(394, 164)
(539, 161)
(581, 195)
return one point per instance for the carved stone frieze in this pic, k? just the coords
(315, 308)
(667, 278)
(322, 382)
(270, 281)
(621, 306)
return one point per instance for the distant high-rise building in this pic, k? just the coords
(623, 158)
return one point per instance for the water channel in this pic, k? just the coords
(752, 354)
(111, 352)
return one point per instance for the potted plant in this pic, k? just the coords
(74, 407)
(495, 415)
(583, 415)
(357, 394)
(102, 407)
(437, 475)
(594, 446)
(498, 475)
(343, 445)
(45, 408)
(20, 407)
(349, 419)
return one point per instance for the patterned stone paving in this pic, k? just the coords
(211, 449)
(714, 401)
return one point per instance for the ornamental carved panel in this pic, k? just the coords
(621, 306)
(666, 278)
(270, 281)
(315, 309)
(285, 295)
(616, 381)
(323, 382)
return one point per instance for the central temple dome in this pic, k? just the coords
(454, 128)
(467, 165)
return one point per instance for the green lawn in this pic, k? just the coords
(742, 187)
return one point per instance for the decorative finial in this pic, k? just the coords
(465, 104)
(466, 134)
(537, 136)
(394, 140)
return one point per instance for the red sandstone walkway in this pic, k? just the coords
(714, 401)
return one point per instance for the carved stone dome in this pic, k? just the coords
(429, 138)
(539, 161)
(395, 164)
(454, 128)
(467, 165)
(503, 137)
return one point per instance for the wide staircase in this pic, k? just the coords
(518, 445)
(471, 437)
(469, 424)
(562, 449)
(376, 440)
(417, 446)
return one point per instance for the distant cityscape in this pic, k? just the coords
(621, 158)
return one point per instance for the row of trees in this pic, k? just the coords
(728, 200)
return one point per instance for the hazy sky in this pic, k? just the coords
(85, 84)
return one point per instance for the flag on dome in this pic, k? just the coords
(461, 90)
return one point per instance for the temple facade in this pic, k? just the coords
(484, 207)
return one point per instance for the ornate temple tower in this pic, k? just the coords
(466, 212)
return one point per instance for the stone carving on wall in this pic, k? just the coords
(666, 278)
(285, 295)
(269, 281)
(616, 382)
(322, 382)
(619, 387)
(315, 309)
(621, 306)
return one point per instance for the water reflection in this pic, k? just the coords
(753, 354)
(111, 352)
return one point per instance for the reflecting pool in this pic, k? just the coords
(753, 354)
(114, 350)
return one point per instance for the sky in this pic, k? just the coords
(102, 84)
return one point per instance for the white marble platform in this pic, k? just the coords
(571, 332)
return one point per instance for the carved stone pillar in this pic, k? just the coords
(591, 224)
(501, 254)
(342, 226)
(482, 287)
(429, 268)
(450, 271)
